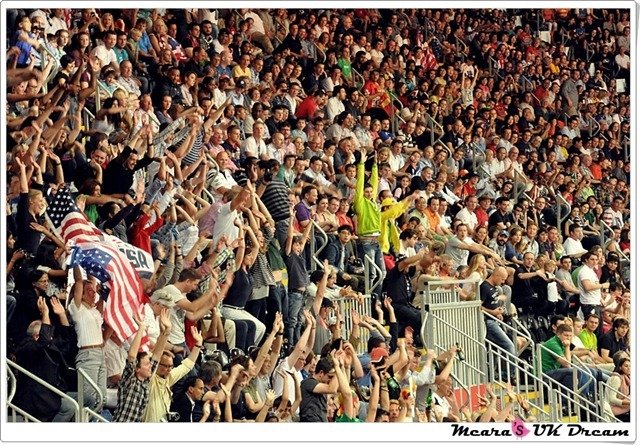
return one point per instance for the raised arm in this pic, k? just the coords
(165, 329)
(322, 286)
(135, 343)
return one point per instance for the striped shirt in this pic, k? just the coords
(261, 271)
(88, 324)
(276, 199)
(194, 153)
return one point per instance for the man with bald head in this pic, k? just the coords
(493, 304)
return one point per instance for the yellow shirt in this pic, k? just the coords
(160, 391)
(239, 72)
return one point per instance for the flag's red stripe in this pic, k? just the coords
(126, 291)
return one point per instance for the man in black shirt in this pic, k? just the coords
(118, 176)
(398, 287)
(529, 288)
(501, 217)
(313, 407)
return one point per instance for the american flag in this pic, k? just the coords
(110, 266)
(100, 259)
(67, 219)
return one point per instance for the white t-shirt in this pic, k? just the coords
(588, 297)
(460, 256)
(468, 218)
(106, 56)
(572, 247)
(552, 289)
(225, 224)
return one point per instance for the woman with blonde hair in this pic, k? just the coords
(476, 274)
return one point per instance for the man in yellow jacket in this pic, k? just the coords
(389, 233)
(375, 227)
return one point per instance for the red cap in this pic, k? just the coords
(378, 353)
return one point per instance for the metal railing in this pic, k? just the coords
(321, 52)
(87, 118)
(17, 410)
(363, 307)
(461, 44)
(432, 125)
(356, 74)
(603, 387)
(478, 156)
(494, 68)
(560, 204)
(447, 319)
(626, 143)
(514, 333)
(527, 84)
(87, 413)
(603, 228)
(368, 285)
(526, 380)
(439, 334)
(570, 398)
(315, 262)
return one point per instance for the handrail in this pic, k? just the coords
(321, 51)
(581, 404)
(46, 385)
(528, 85)
(475, 153)
(360, 76)
(103, 87)
(97, 97)
(464, 387)
(314, 252)
(526, 379)
(494, 67)
(626, 142)
(592, 121)
(560, 218)
(82, 377)
(460, 42)
(431, 125)
(89, 118)
(514, 333)
(604, 226)
(575, 368)
(368, 287)
(602, 388)
(464, 334)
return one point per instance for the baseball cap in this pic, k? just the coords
(503, 233)
(166, 296)
(241, 83)
(378, 353)
(326, 303)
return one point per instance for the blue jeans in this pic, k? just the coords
(282, 230)
(496, 335)
(296, 317)
(93, 363)
(372, 249)
(564, 376)
(277, 301)
(67, 410)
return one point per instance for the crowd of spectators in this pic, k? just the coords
(481, 144)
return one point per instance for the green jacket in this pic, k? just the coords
(368, 210)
